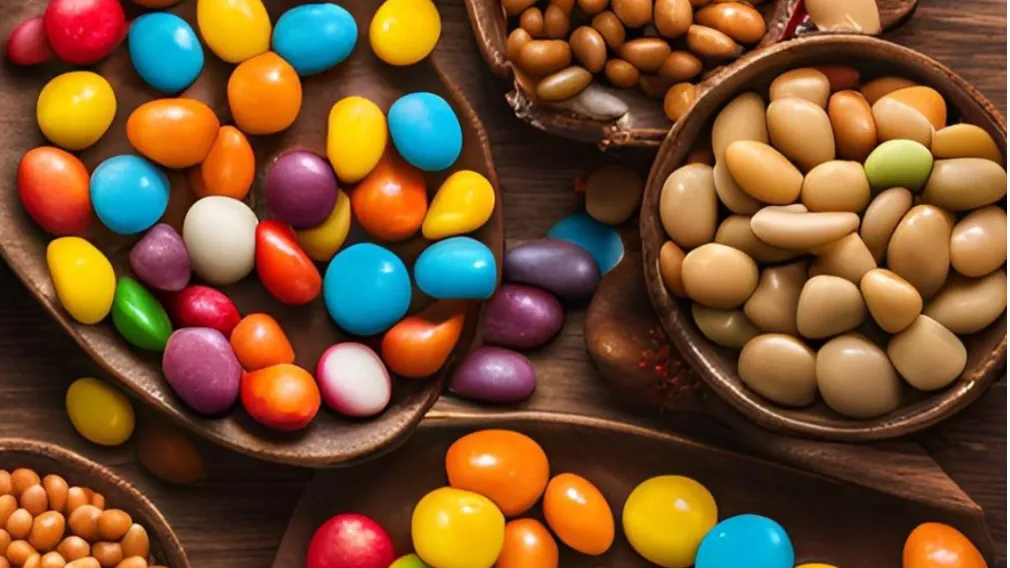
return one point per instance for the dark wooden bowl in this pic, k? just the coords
(987, 350)
(47, 458)
(616, 456)
(330, 439)
(645, 124)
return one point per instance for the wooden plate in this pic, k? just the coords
(819, 513)
(987, 349)
(645, 124)
(330, 439)
(77, 470)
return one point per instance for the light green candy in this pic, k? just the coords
(899, 163)
(408, 561)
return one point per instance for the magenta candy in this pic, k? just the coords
(494, 374)
(83, 32)
(200, 366)
(522, 317)
(350, 540)
(160, 259)
(27, 43)
(301, 189)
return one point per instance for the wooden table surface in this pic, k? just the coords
(237, 516)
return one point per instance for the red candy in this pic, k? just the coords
(283, 267)
(82, 32)
(27, 43)
(283, 397)
(53, 185)
(203, 306)
(350, 541)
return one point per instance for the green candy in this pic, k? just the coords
(139, 317)
(408, 561)
(899, 163)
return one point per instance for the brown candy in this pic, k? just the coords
(739, 21)
(673, 17)
(564, 84)
(710, 42)
(589, 48)
(621, 73)
(647, 53)
(679, 99)
(592, 7)
(556, 22)
(633, 13)
(516, 7)
(610, 27)
(545, 56)
(532, 20)
(680, 66)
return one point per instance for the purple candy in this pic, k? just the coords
(494, 374)
(160, 259)
(200, 366)
(565, 269)
(522, 317)
(301, 189)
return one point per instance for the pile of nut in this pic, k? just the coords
(46, 523)
(662, 47)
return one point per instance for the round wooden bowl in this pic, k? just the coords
(47, 458)
(330, 439)
(987, 349)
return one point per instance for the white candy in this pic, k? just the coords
(353, 380)
(220, 236)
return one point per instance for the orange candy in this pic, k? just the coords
(229, 168)
(54, 188)
(264, 94)
(283, 397)
(840, 77)
(419, 345)
(579, 514)
(935, 545)
(507, 467)
(926, 100)
(259, 341)
(176, 133)
(528, 544)
(391, 202)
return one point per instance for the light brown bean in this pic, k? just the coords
(633, 13)
(828, 306)
(516, 7)
(610, 27)
(136, 542)
(803, 83)
(928, 355)
(672, 17)
(739, 21)
(671, 264)
(22, 478)
(780, 368)
(592, 7)
(564, 84)
(108, 554)
(589, 48)
(545, 56)
(47, 531)
(35, 500)
(515, 42)
(532, 20)
(556, 22)
(679, 99)
(73, 548)
(680, 66)
(6, 486)
(718, 276)
(83, 522)
(710, 42)
(853, 125)
(56, 491)
(728, 328)
(52, 560)
(772, 306)
(646, 53)
(621, 73)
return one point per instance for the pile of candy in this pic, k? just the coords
(670, 520)
(212, 355)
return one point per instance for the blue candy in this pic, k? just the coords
(366, 289)
(601, 241)
(315, 37)
(457, 268)
(129, 193)
(425, 131)
(746, 540)
(165, 51)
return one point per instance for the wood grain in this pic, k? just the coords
(237, 517)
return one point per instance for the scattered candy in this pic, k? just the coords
(324, 240)
(350, 541)
(495, 375)
(99, 412)
(75, 109)
(54, 189)
(229, 167)
(176, 133)
(356, 139)
(353, 380)
(601, 241)
(300, 189)
(425, 130)
(452, 528)
(201, 368)
(579, 514)
(169, 456)
(666, 517)
(462, 205)
(746, 540)
(83, 278)
(404, 32)
(283, 268)
(283, 397)
(160, 259)
(457, 268)
(560, 267)
(139, 317)
(82, 32)
(235, 30)
(507, 467)
(165, 51)
(264, 93)
(203, 306)
(613, 194)
(418, 346)
(390, 203)
(366, 289)
(129, 193)
(528, 544)
(315, 37)
(519, 316)
(220, 235)
(936, 545)
(259, 342)
(27, 44)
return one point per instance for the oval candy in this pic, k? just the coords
(229, 168)
(936, 545)
(688, 206)
(54, 187)
(99, 412)
(746, 540)
(519, 316)
(802, 131)
(324, 240)
(160, 259)
(425, 130)
(353, 380)
(315, 37)
(235, 30)
(283, 397)
(165, 51)
(528, 544)
(259, 342)
(852, 122)
(129, 193)
(899, 163)
(442, 525)
(463, 204)
(75, 109)
(967, 305)
(27, 44)
(404, 32)
(300, 189)
(560, 267)
(977, 246)
(366, 289)
(719, 276)
(507, 467)
(176, 133)
(203, 306)
(457, 268)
(928, 355)
(579, 514)
(201, 368)
(82, 33)
(856, 379)
(665, 518)
(829, 305)
(965, 141)
(495, 375)
(919, 250)
(419, 345)
(961, 184)
(602, 241)
(220, 235)
(780, 368)
(356, 137)
(139, 317)
(391, 202)
(763, 172)
(83, 277)
(283, 268)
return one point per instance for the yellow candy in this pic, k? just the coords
(666, 517)
(75, 109)
(99, 412)
(356, 138)
(816, 565)
(235, 30)
(462, 205)
(452, 528)
(404, 32)
(84, 279)
(322, 242)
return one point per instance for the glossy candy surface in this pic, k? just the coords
(558, 266)
(495, 375)
(462, 205)
(457, 268)
(356, 139)
(160, 259)
(419, 345)
(746, 540)
(228, 169)
(579, 514)
(300, 189)
(666, 517)
(165, 51)
(409, 561)
(452, 528)
(259, 342)
(390, 203)
(176, 133)
(936, 545)
(99, 412)
(83, 278)
(507, 467)
(367, 289)
(283, 268)
(404, 32)
(235, 30)
(601, 241)
(324, 240)
(350, 541)
(27, 44)
(264, 94)
(82, 32)
(353, 380)
(201, 368)
(203, 306)
(315, 37)
(519, 316)
(283, 397)
(139, 317)
(75, 109)
(129, 193)
(425, 131)
(220, 235)
(528, 544)
(54, 189)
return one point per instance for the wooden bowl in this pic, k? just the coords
(987, 349)
(616, 457)
(645, 124)
(330, 439)
(77, 470)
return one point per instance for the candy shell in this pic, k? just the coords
(417, 346)
(259, 342)
(201, 368)
(264, 93)
(528, 544)
(560, 267)
(452, 528)
(746, 540)
(404, 32)
(936, 545)
(462, 205)
(390, 203)
(666, 517)
(507, 467)
(356, 137)
(84, 280)
(156, 4)
(235, 30)
(220, 235)
(75, 109)
(129, 193)
(353, 380)
(315, 37)
(899, 163)
(409, 561)
(579, 514)
(169, 456)
(283, 397)
(366, 289)
(160, 259)
(139, 317)
(522, 317)
(203, 306)
(324, 240)
(425, 131)
(176, 133)
(300, 189)
(54, 189)
(600, 240)
(165, 51)
(495, 375)
(82, 32)
(99, 412)
(27, 44)
(229, 167)
(283, 268)
(350, 541)
(457, 268)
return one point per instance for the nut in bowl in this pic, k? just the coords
(806, 249)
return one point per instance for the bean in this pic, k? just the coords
(564, 84)
(709, 42)
(679, 99)
(647, 53)
(610, 27)
(804, 83)
(780, 368)
(680, 66)
(592, 7)
(113, 524)
(671, 263)
(56, 491)
(73, 548)
(515, 42)
(739, 21)
(634, 13)
(532, 20)
(621, 73)
(673, 17)
(516, 7)
(543, 57)
(47, 530)
(556, 22)
(589, 48)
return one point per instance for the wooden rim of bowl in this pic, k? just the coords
(701, 354)
(76, 467)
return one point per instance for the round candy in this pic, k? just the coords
(53, 186)
(169, 455)
(301, 189)
(457, 268)
(746, 540)
(283, 268)
(27, 44)
(259, 342)
(99, 412)
(600, 240)
(139, 317)
(507, 467)
(324, 240)
(350, 541)
(160, 259)
(462, 205)
(283, 397)
(75, 109)
(129, 193)
(528, 544)
(203, 306)
(666, 517)
(366, 289)
(452, 528)
(315, 37)
(356, 137)
(404, 32)
(176, 133)
(579, 514)
(165, 51)
(936, 545)
(220, 235)
(201, 368)
(391, 202)
(83, 278)
(353, 380)
(264, 94)
(417, 346)
(235, 30)
(82, 32)
(425, 131)
(229, 167)
(409, 561)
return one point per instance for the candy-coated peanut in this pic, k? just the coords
(75, 109)
(283, 268)
(462, 205)
(235, 30)
(283, 397)
(746, 540)
(579, 514)
(353, 380)
(390, 204)
(404, 32)
(264, 94)
(202, 369)
(666, 517)
(220, 236)
(452, 528)
(356, 137)
(457, 268)
(323, 241)
(229, 167)
(54, 188)
(509, 468)
(259, 342)
(99, 412)
(419, 345)
(83, 278)
(300, 189)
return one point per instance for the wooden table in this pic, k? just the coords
(237, 517)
